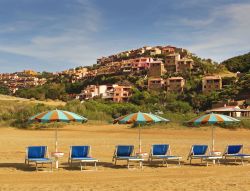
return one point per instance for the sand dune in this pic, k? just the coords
(14, 175)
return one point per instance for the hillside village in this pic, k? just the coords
(159, 68)
(151, 63)
(21, 80)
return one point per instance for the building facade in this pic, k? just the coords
(112, 92)
(156, 69)
(156, 83)
(211, 83)
(175, 84)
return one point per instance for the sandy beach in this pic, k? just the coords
(14, 175)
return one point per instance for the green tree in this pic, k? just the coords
(4, 90)
(238, 64)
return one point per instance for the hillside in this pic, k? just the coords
(49, 102)
(164, 78)
(238, 64)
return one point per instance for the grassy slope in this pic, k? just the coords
(12, 98)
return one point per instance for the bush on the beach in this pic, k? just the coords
(16, 113)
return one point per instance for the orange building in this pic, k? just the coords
(185, 64)
(168, 50)
(156, 69)
(122, 93)
(211, 83)
(175, 84)
(155, 83)
(171, 62)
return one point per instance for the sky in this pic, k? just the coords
(54, 35)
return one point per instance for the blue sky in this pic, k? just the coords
(54, 35)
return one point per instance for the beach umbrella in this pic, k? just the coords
(140, 118)
(212, 119)
(54, 116)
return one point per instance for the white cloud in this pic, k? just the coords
(71, 39)
(224, 33)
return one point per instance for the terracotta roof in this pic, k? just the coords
(212, 77)
(176, 78)
(228, 109)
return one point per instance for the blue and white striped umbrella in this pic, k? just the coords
(57, 116)
(213, 118)
(140, 118)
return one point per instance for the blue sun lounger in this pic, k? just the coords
(198, 152)
(162, 152)
(236, 152)
(38, 155)
(81, 154)
(123, 152)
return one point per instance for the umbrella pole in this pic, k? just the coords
(56, 139)
(139, 138)
(213, 142)
(212, 138)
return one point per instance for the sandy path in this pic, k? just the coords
(14, 175)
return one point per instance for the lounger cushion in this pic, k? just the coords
(36, 152)
(79, 151)
(124, 151)
(40, 160)
(126, 158)
(160, 149)
(83, 158)
(165, 157)
(238, 155)
(233, 149)
(200, 156)
(199, 149)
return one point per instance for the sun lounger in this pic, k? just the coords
(199, 152)
(235, 152)
(38, 155)
(81, 154)
(124, 152)
(163, 152)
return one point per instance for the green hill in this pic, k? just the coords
(238, 64)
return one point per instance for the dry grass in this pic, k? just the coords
(17, 99)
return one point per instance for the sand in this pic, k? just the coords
(14, 175)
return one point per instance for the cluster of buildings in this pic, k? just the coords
(77, 74)
(114, 92)
(148, 51)
(21, 80)
(174, 60)
(139, 61)
(152, 62)
(177, 84)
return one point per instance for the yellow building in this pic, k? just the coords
(30, 72)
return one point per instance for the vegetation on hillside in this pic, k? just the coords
(15, 113)
(177, 107)
(4, 90)
(48, 91)
(238, 64)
